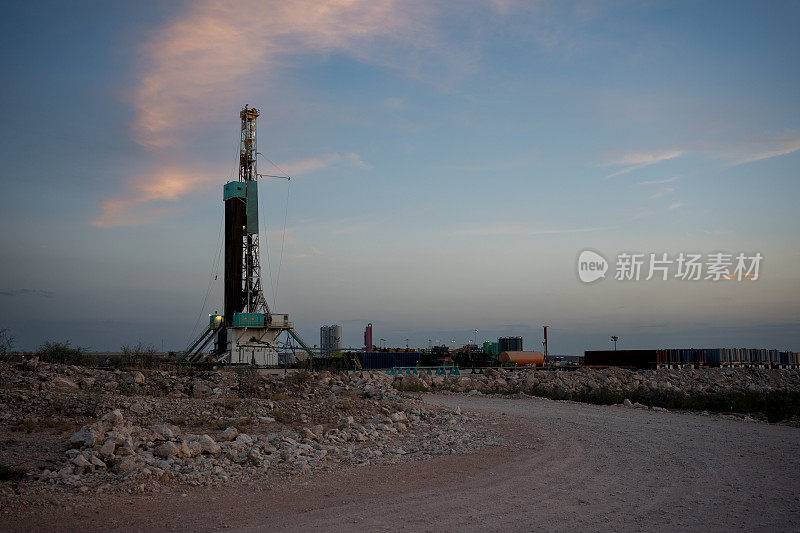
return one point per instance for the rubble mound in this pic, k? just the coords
(772, 392)
(139, 430)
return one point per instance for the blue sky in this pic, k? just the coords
(450, 162)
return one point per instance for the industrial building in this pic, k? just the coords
(368, 346)
(691, 357)
(330, 339)
(509, 344)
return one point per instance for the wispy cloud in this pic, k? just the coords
(522, 230)
(659, 182)
(26, 292)
(635, 161)
(148, 197)
(311, 164)
(675, 206)
(776, 148)
(209, 56)
(662, 192)
(394, 103)
(736, 153)
(200, 67)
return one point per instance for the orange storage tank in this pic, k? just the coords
(523, 358)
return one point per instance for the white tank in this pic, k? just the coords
(337, 338)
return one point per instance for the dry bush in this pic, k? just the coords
(139, 355)
(6, 344)
(250, 384)
(65, 354)
(299, 378)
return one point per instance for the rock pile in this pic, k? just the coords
(136, 431)
(109, 452)
(613, 380)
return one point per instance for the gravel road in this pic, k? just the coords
(566, 467)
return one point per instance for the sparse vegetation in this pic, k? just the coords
(6, 344)
(250, 384)
(774, 405)
(139, 355)
(300, 378)
(64, 353)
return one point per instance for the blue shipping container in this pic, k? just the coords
(385, 360)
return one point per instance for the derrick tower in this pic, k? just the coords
(254, 301)
(248, 331)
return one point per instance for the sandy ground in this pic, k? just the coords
(567, 467)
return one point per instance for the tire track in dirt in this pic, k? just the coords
(565, 467)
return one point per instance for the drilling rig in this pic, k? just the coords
(247, 332)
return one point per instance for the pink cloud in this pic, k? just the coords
(778, 148)
(637, 160)
(197, 70)
(145, 200)
(202, 65)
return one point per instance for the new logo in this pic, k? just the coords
(591, 266)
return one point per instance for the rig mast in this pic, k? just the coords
(248, 331)
(248, 173)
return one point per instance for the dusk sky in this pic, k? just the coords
(450, 161)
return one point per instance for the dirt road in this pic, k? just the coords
(568, 467)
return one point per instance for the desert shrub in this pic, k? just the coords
(6, 344)
(64, 353)
(139, 355)
(300, 378)
(601, 396)
(774, 405)
(250, 384)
